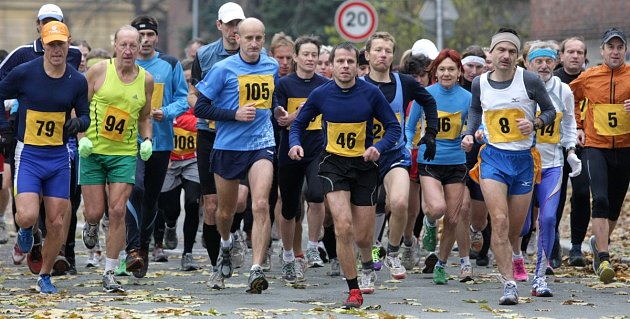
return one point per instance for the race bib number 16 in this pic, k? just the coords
(257, 89)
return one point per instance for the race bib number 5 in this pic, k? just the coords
(294, 103)
(346, 139)
(449, 125)
(501, 125)
(257, 89)
(114, 124)
(611, 119)
(44, 128)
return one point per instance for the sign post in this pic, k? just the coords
(356, 20)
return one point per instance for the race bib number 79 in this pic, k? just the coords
(44, 128)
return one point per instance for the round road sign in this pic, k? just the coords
(356, 20)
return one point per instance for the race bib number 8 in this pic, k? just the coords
(501, 125)
(449, 125)
(378, 130)
(184, 141)
(44, 128)
(346, 139)
(255, 88)
(611, 119)
(294, 103)
(114, 124)
(550, 134)
(158, 96)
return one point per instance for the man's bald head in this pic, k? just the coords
(251, 38)
(251, 24)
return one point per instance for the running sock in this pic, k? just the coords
(110, 264)
(352, 283)
(516, 257)
(226, 244)
(288, 255)
(212, 239)
(255, 266)
(429, 223)
(311, 245)
(392, 249)
(441, 263)
(367, 265)
(408, 242)
(236, 222)
(330, 242)
(577, 247)
(464, 261)
(603, 256)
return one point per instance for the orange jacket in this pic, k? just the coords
(603, 86)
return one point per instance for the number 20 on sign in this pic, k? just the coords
(356, 20)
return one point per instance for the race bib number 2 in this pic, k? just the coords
(44, 128)
(378, 130)
(346, 139)
(611, 119)
(114, 124)
(502, 126)
(257, 89)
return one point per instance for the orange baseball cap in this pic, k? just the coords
(55, 31)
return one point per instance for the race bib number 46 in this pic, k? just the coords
(611, 119)
(346, 139)
(502, 126)
(257, 89)
(449, 125)
(44, 128)
(114, 124)
(294, 103)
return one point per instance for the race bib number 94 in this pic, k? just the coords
(550, 134)
(449, 125)
(294, 103)
(114, 124)
(501, 125)
(611, 119)
(346, 139)
(44, 128)
(257, 89)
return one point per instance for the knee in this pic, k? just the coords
(55, 224)
(450, 221)
(435, 210)
(117, 211)
(343, 231)
(398, 206)
(209, 205)
(500, 224)
(260, 205)
(25, 220)
(241, 205)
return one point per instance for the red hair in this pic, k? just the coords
(444, 54)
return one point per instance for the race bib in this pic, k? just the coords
(114, 124)
(184, 141)
(550, 134)
(255, 88)
(611, 119)
(346, 139)
(158, 96)
(502, 126)
(44, 128)
(378, 130)
(449, 125)
(293, 104)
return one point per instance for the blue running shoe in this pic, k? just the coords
(25, 239)
(45, 286)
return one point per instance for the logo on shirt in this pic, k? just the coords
(515, 100)
(526, 183)
(135, 96)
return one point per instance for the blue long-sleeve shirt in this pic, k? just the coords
(347, 118)
(45, 103)
(170, 93)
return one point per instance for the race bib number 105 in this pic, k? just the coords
(257, 89)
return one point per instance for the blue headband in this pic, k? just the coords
(544, 52)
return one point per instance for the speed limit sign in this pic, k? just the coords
(356, 20)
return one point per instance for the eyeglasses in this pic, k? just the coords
(132, 47)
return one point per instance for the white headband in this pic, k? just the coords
(473, 59)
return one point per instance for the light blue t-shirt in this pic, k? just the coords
(232, 83)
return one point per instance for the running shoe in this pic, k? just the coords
(134, 260)
(170, 237)
(439, 276)
(288, 271)
(239, 250)
(593, 243)
(466, 273)
(266, 264)
(429, 263)
(122, 268)
(34, 259)
(510, 294)
(396, 269)
(429, 236)
(159, 255)
(216, 280)
(377, 256)
(518, 269)
(44, 285)
(4, 235)
(92, 261)
(90, 235)
(335, 268)
(576, 258)
(313, 257)
(110, 284)
(225, 262)
(476, 240)
(60, 266)
(25, 239)
(257, 281)
(355, 299)
(482, 260)
(300, 268)
(17, 255)
(539, 287)
(605, 272)
(556, 253)
(188, 262)
(142, 271)
(409, 255)
(367, 279)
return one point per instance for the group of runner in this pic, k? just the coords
(480, 139)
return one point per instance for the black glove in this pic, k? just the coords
(429, 140)
(73, 126)
(6, 136)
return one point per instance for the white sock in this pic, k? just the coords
(227, 244)
(255, 266)
(110, 264)
(516, 257)
(428, 223)
(288, 255)
(311, 244)
(464, 261)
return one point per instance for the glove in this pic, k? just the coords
(429, 140)
(6, 136)
(576, 165)
(85, 147)
(146, 149)
(73, 126)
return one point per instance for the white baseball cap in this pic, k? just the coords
(231, 11)
(426, 47)
(50, 11)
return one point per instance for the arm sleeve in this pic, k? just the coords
(384, 113)
(537, 91)
(179, 103)
(195, 72)
(578, 99)
(429, 106)
(11, 61)
(205, 109)
(82, 107)
(475, 112)
(412, 123)
(568, 125)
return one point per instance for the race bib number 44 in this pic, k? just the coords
(449, 125)
(346, 139)
(502, 126)
(550, 134)
(294, 103)
(44, 128)
(114, 124)
(257, 89)
(611, 119)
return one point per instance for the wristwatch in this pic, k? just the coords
(535, 123)
(148, 138)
